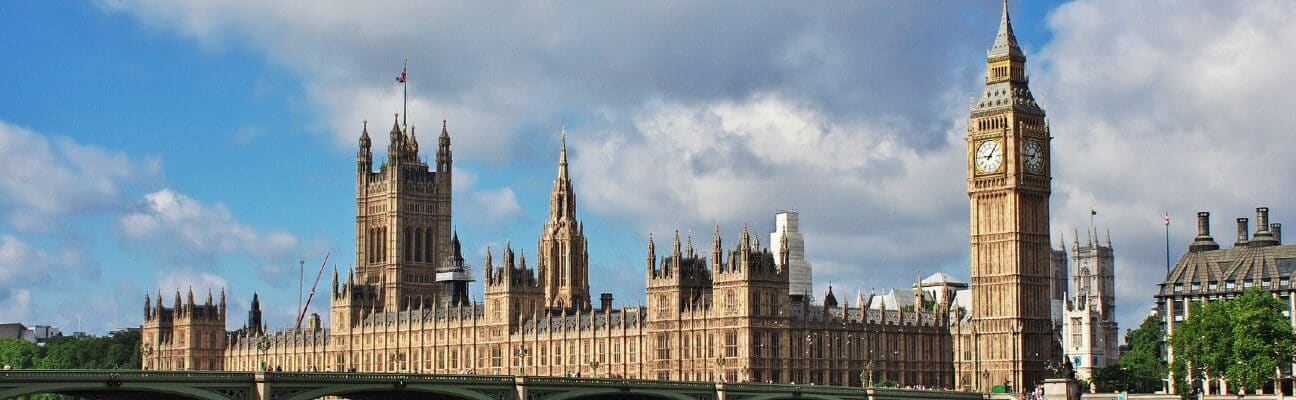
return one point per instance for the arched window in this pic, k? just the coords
(418, 245)
(731, 300)
(427, 245)
(409, 243)
(756, 304)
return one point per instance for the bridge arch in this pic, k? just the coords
(618, 393)
(790, 396)
(388, 391)
(99, 390)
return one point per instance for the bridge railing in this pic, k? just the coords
(367, 377)
(73, 375)
(564, 381)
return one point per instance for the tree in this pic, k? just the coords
(1244, 339)
(1142, 364)
(1203, 344)
(17, 353)
(1262, 339)
(1140, 369)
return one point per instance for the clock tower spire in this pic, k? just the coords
(1008, 182)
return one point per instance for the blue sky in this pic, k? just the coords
(159, 145)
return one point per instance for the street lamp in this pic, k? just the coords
(720, 363)
(521, 355)
(262, 347)
(148, 355)
(594, 364)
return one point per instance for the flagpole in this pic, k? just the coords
(1167, 240)
(405, 86)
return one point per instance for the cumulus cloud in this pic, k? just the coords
(696, 113)
(1151, 113)
(496, 71)
(488, 207)
(25, 267)
(867, 201)
(181, 231)
(48, 179)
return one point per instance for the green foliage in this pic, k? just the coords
(1142, 363)
(18, 353)
(1262, 339)
(119, 351)
(1140, 369)
(1244, 339)
(1109, 379)
(1205, 340)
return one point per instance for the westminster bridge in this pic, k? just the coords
(195, 385)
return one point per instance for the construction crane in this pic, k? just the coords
(306, 306)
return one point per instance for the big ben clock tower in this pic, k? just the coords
(1008, 191)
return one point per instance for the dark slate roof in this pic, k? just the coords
(1237, 264)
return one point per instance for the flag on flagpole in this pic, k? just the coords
(401, 78)
(1167, 218)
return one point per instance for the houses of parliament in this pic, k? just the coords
(724, 313)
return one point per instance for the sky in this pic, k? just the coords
(153, 146)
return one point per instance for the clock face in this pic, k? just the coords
(989, 156)
(1033, 156)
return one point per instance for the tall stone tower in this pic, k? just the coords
(1008, 189)
(403, 219)
(786, 227)
(187, 336)
(1089, 332)
(563, 260)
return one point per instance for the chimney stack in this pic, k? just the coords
(605, 301)
(1276, 229)
(1263, 236)
(1242, 233)
(1203, 242)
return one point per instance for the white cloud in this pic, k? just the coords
(188, 228)
(867, 201)
(26, 270)
(182, 279)
(1152, 112)
(46, 179)
(486, 207)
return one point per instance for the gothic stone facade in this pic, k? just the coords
(727, 317)
(1008, 337)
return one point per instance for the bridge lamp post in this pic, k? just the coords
(720, 363)
(594, 366)
(262, 346)
(148, 355)
(521, 355)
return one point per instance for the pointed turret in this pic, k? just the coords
(148, 307)
(489, 266)
(364, 157)
(1005, 44)
(651, 257)
(562, 200)
(675, 248)
(413, 144)
(830, 300)
(396, 144)
(688, 246)
(222, 303)
(254, 314)
(717, 254)
(444, 158)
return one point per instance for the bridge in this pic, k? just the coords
(197, 385)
